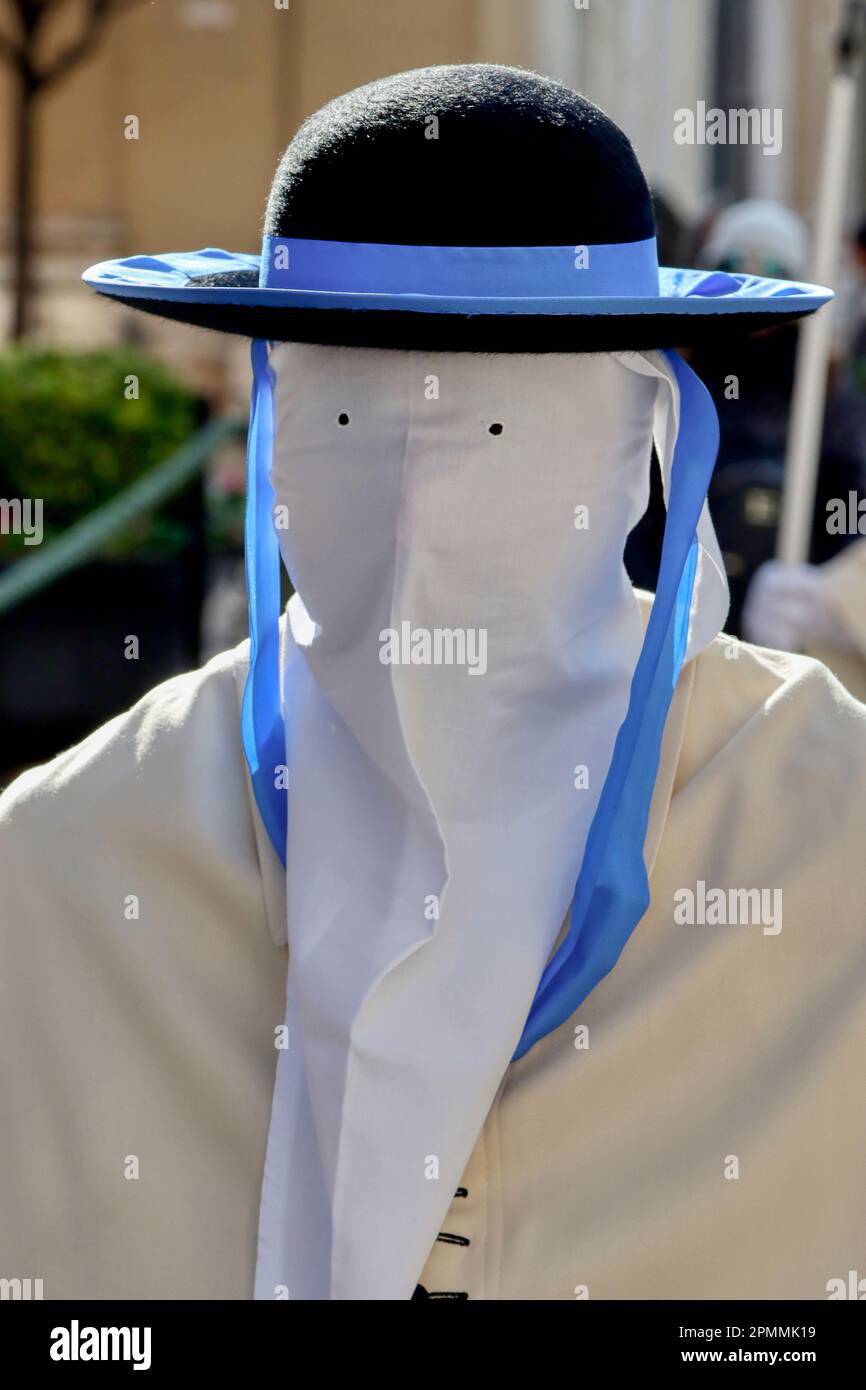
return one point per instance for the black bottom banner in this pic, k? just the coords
(155, 1338)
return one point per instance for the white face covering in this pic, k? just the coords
(461, 648)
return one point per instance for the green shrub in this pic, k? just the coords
(70, 435)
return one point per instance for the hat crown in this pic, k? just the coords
(464, 155)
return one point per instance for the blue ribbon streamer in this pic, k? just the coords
(262, 729)
(612, 890)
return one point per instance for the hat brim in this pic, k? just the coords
(219, 290)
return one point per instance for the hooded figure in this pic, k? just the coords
(482, 929)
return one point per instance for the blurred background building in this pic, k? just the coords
(219, 86)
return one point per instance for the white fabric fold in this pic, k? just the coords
(437, 810)
(710, 596)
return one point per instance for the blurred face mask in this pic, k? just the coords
(461, 647)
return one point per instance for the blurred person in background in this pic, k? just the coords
(751, 384)
(751, 381)
(818, 607)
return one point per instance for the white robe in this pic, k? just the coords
(709, 1141)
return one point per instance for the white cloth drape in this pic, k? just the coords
(438, 812)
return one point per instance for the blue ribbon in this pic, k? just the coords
(262, 729)
(346, 267)
(612, 890)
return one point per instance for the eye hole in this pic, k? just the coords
(343, 419)
(495, 429)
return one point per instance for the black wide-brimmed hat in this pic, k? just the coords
(469, 207)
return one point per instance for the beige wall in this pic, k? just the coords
(217, 104)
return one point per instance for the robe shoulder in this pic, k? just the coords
(164, 752)
(140, 988)
(163, 784)
(772, 766)
(747, 698)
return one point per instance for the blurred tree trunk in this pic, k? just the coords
(21, 50)
(22, 201)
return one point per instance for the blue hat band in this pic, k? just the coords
(628, 269)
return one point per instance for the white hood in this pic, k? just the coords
(437, 811)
